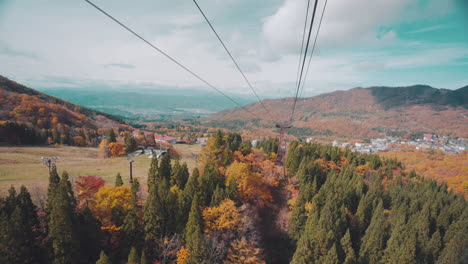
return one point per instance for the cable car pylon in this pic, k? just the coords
(281, 156)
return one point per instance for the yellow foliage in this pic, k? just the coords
(108, 198)
(251, 186)
(223, 217)
(175, 190)
(183, 255)
(243, 252)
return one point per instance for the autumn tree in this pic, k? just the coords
(110, 206)
(87, 187)
(115, 149)
(243, 252)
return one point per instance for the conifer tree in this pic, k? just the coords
(180, 174)
(348, 250)
(231, 191)
(89, 236)
(118, 180)
(151, 217)
(153, 172)
(331, 257)
(111, 137)
(62, 226)
(133, 257)
(194, 238)
(54, 180)
(131, 226)
(375, 239)
(103, 259)
(184, 201)
(218, 196)
(164, 170)
(143, 259)
(68, 188)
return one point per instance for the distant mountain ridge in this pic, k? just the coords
(48, 119)
(360, 113)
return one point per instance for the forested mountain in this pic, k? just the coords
(31, 117)
(332, 206)
(360, 113)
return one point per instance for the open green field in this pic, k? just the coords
(23, 166)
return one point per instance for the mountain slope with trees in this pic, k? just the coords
(29, 117)
(359, 113)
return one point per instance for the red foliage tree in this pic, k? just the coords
(87, 187)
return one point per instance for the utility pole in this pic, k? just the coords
(49, 161)
(130, 161)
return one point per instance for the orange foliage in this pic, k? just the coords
(183, 255)
(451, 168)
(115, 149)
(251, 187)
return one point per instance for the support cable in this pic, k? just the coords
(170, 58)
(313, 48)
(304, 59)
(233, 60)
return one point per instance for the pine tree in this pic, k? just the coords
(194, 234)
(164, 171)
(331, 257)
(133, 257)
(218, 196)
(89, 236)
(131, 227)
(68, 188)
(153, 172)
(131, 144)
(118, 180)
(375, 239)
(54, 180)
(151, 217)
(112, 138)
(348, 250)
(180, 174)
(184, 201)
(231, 191)
(103, 259)
(143, 259)
(62, 226)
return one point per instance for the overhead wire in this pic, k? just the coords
(233, 60)
(170, 58)
(313, 47)
(302, 43)
(304, 59)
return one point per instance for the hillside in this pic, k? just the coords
(28, 116)
(361, 113)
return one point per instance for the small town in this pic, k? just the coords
(427, 142)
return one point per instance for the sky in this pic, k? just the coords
(56, 43)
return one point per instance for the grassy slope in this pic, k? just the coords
(22, 165)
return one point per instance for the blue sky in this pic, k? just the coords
(56, 43)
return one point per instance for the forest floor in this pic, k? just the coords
(23, 166)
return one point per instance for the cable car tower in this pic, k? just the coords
(280, 157)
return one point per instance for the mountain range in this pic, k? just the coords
(357, 113)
